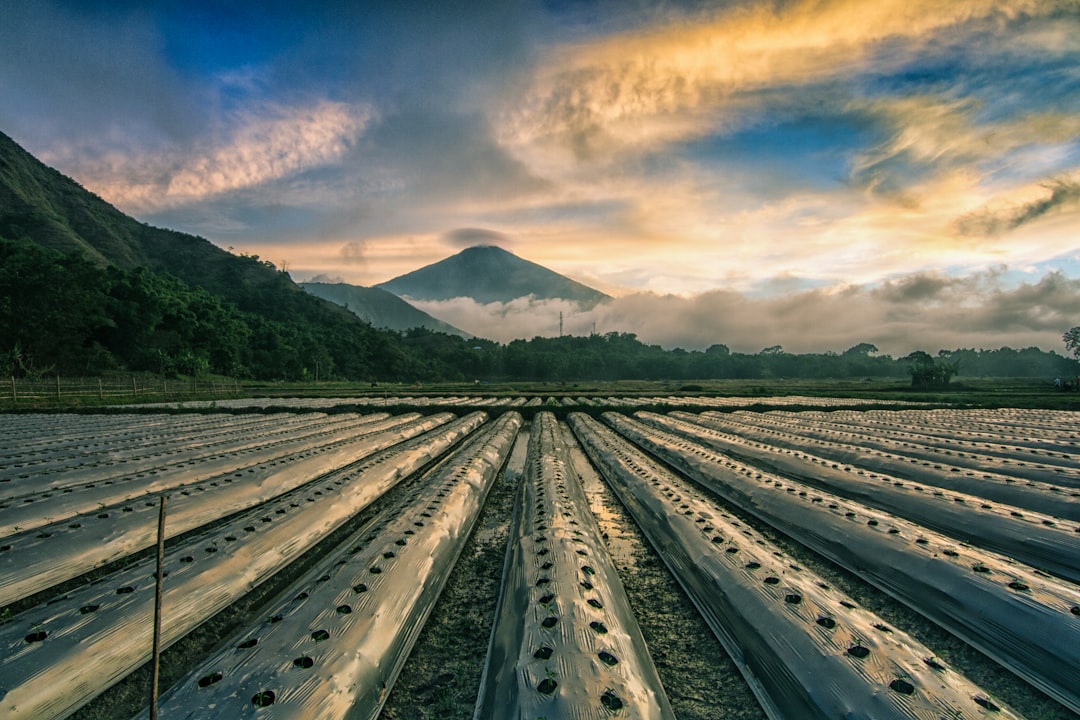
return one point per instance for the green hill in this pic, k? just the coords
(115, 272)
(378, 307)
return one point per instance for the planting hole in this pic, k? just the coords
(986, 703)
(611, 701)
(343, 609)
(902, 686)
(547, 686)
(263, 699)
(248, 644)
(858, 651)
(753, 565)
(375, 569)
(361, 588)
(86, 609)
(826, 622)
(793, 598)
(546, 599)
(933, 664)
(598, 627)
(543, 653)
(595, 603)
(772, 580)
(125, 590)
(1017, 585)
(304, 661)
(320, 635)
(550, 621)
(607, 658)
(208, 680)
(36, 636)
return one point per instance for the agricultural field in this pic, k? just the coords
(566, 556)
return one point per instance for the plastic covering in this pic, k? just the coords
(1039, 540)
(1033, 444)
(806, 650)
(565, 643)
(33, 560)
(99, 481)
(56, 657)
(1023, 619)
(334, 648)
(994, 480)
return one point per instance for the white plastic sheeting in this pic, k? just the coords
(806, 650)
(57, 657)
(565, 643)
(334, 648)
(1025, 620)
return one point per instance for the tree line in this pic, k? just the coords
(63, 314)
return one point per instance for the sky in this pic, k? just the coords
(805, 173)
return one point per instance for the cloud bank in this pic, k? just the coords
(927, 311)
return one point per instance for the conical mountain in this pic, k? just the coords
(490, 274)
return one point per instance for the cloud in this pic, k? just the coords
(326, 278)
(694, 75)
(354, 252)
(990, 222)
(925, 310)
(469, 237)
(266, 144)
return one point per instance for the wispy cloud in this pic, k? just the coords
(990, 221)
(690, 77)
(264, 145)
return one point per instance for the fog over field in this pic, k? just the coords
(929, 311)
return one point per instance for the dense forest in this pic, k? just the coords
(63, 314)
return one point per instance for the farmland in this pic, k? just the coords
(648, 556)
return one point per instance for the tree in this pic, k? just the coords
(929, 373)
(1072, 341)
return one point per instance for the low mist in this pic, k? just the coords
(925, 311)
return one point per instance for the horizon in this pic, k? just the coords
(810, 174)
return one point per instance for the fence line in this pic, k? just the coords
(63, 390)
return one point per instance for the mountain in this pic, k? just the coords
(489, 274)
(379, 307)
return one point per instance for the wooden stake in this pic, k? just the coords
(160, 577)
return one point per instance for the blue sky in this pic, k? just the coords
(722, 163)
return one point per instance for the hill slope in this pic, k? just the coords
(379, 307)
(489, 274)
(288, 330)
